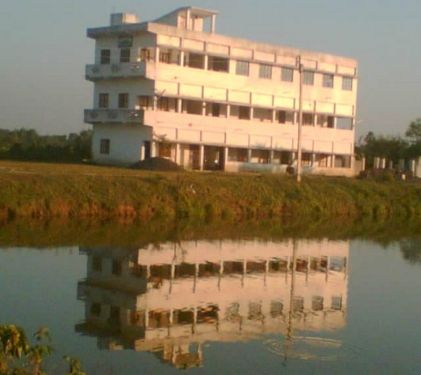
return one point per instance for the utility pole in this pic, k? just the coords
(300, 120)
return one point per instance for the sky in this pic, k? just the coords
(45, 49)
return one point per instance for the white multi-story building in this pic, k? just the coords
(175, 88)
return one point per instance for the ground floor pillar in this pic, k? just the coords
(201, 156)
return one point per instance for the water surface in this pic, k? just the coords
(228, 306)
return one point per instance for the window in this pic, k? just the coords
(242, 68)
(169, 56)
(347, 83)
(285, 117)
(103, 100)
(96, 309)
(344, 123)
(125, 55)
(104, 146)
(192, 107)
(287, 74)
(167, 104)
(105, 56)
(123, 100)
(238, 154)
(144, 101)
(218, 64)
(317, 303)
(262, 114)
(244, 113)
(145, 54)
(308, 119)
(276, 308)
(325, 121)
(328, 80)
(336, 303)
(117, 268)
(308, 78)
(164, 150)
(260, 156)
(194, 60)
(265, 71)
(342, 161)
(97, 264)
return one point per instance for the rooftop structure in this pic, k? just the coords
(175, 88)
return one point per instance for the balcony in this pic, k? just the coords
(124, 116)
(123, 70)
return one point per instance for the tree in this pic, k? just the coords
(414, 131)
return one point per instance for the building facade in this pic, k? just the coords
(176, 89)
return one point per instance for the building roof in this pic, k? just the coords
(201, 12)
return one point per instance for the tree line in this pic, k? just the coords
(27, 144)
(393, 148)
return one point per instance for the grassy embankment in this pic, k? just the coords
(38, 190)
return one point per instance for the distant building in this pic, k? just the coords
(174, 88)
(172, 299)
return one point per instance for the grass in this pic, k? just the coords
(44, 190)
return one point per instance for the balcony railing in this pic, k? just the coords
(122, 70)
(125, 116)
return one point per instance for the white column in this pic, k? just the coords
(213, 24)
(142, 152)
(225, 158)
(179, 105)
(154, 149)
(177, 153)
(157, 54)
(181, 62)
(249, 155)
(202, 156)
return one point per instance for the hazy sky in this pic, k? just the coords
(44, 51)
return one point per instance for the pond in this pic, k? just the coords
(251, 305)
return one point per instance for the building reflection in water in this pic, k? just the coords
(172, 299)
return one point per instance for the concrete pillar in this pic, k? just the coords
(376, 162)
(363, 163)
(154, 149)
(391, 164)
(274, 115)
(206, 62)
(179, 105)
(271, 155)
(228, 110)
(156, 54)
(251, 113)
(142, 152)
(213, 24)
(177, 153)
(203, 108)
(333, 160)
(225, 157)
(383, 163)
(181, 62)
(413, 166)
(146, 318)
(201, 156)
(249, 155)
(313, 159)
